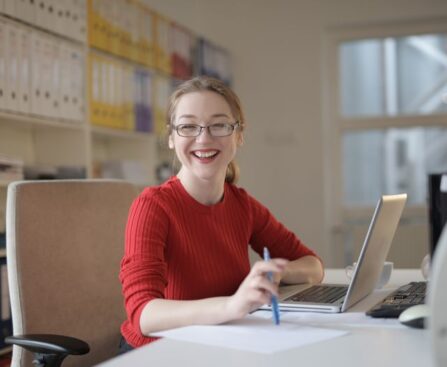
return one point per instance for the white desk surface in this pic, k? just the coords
(363, 346)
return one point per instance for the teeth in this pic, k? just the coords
(205, 154)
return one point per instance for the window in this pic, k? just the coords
(385, 99)
(384, 78)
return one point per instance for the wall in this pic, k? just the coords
(277, 57)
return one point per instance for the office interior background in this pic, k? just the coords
(345, 100)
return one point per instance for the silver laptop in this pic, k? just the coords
(333, 298)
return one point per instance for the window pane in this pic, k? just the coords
(361, 78)
(391, 161)
(394, 76)
(422, 74)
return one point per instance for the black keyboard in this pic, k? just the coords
(408, 295)
(320, 294)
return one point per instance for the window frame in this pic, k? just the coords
(337, 215)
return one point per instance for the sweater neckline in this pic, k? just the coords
(193, 202)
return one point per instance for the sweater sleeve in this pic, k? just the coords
(143, 267)
(268, 231)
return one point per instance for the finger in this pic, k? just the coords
(258, 298)
(274, 266)
(263, 284)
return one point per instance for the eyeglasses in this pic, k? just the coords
(219, 129)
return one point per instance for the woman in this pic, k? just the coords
(186, 258)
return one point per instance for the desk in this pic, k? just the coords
(364, 346)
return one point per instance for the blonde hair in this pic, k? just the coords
(204, 83)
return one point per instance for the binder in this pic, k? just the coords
(129, 98)
(95, 23)
(25, 10)
(24, 70)
(112, 86)
(162, 91)
(59, 19)
(182, 52)
(162, 44)
(5, 307)
(3, 53)
(77, 24)
(106, 89)
(36, 74)
(77, 83)
(66, 74)
(146, 36)
(94, 88)
(52, 88)
(40, 13)
(12, 60)
(9, 7)
(143, 118)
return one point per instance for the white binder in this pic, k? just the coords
(12, 60)
(41, 68)
(59, 23)
(78, 24)
(77, 83)
(25, 10)
(24, 70)
(65, 76)
(9, 7)
(54, 80)
(40, 12)
(3, 50)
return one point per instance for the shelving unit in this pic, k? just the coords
(52, 126)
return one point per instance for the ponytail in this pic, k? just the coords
(233, 172)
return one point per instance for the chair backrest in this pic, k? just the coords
(65, 240)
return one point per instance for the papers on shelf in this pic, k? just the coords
(254, 334)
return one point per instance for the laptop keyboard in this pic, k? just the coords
(408, 295)
(320, 294)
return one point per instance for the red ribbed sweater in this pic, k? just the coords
(177, 248)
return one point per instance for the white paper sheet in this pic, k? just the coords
(254, 334)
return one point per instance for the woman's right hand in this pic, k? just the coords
(256, 290)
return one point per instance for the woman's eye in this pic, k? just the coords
(189, 127)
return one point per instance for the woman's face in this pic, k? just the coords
(204, 157)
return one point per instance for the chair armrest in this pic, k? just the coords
(49, 349)
(49, 343)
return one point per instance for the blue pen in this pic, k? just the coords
(274, 300)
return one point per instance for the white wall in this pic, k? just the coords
(277, 59)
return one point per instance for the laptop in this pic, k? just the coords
(335, 298)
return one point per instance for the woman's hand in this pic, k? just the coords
(256, 289)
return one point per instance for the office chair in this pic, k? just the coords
(65, 240)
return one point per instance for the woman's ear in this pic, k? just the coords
(240, 139)
(170, 142)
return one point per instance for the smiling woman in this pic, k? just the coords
(186, 257)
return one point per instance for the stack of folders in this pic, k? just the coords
(120, 94)
(183, 46)
(65, 17)
(40, 74)
(162, 44)
(123, 28)
(162, 90)
(214, 61)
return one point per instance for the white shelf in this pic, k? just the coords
(120, 134)
(21, 120)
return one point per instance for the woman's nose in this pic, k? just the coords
(204, 135)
